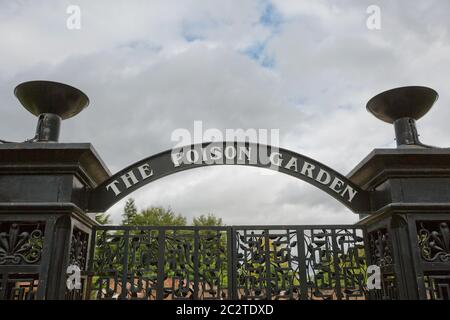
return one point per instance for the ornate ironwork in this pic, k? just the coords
(18, 286)
(380, 247)
(336, 263)
(228, 263)
(388, 290)
(434, 240)
(212, 265)
(20, 243)
(179, 265)
(108, 264)
(160, 263)
(78, 254)
(79, 248)
(380, 250)
(267, 264)
(437, 286)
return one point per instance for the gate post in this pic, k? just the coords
(408, 229)
(43, 193)
(43, 227)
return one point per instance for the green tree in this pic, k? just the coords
(207, 220)
(129, 212)
(158, 216)
(103, 218)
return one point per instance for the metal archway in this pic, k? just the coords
(171, 161)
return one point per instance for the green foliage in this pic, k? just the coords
(129, 212)
(207, 220)
(103, 218)
(157, 216)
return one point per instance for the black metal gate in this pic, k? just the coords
(231, 262)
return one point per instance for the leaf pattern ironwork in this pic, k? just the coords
(434, 241)
(20, 244)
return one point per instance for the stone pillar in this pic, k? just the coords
(408, 232)
(43, 225)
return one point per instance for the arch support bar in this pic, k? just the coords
(171, 161)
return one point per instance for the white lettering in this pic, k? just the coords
(276, 158)
(129, 179)
(292, 163)
(216, 154)
(351, 193)
(192, 156)
(244, 153)
(176, 158)
(308, 167)
(113, 187)
(336, 184)
(145, 171)
(230, 152)
(321, 174)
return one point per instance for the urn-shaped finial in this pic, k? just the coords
(402, 107)
(51, 102)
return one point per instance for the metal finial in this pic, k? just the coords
(51, 102)
(402, 107)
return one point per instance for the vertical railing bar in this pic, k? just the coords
(415, 251)
(231, 263)
(196, 263)
(160, 275)
(92, 249)
(337, 269)
(302, 267)
(49, 230)
(367, 256)
(396, 248)
(268, 274)
(126, 237)
(232, 260)
(4, 281)
(90, 264)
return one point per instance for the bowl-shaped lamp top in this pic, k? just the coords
(405, 102)
(51, 97)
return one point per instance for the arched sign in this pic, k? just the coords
(171, 161)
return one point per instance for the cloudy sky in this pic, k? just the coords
(306, 68)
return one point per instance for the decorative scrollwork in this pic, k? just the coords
(109, 251)
(179, 264)
(267, 264)
(78, 248)
(20, 243)
(195, 263)
(380, 247)
(335, 264)
(212, 265)
(160, 263)
(434, 241)
(108, 264)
